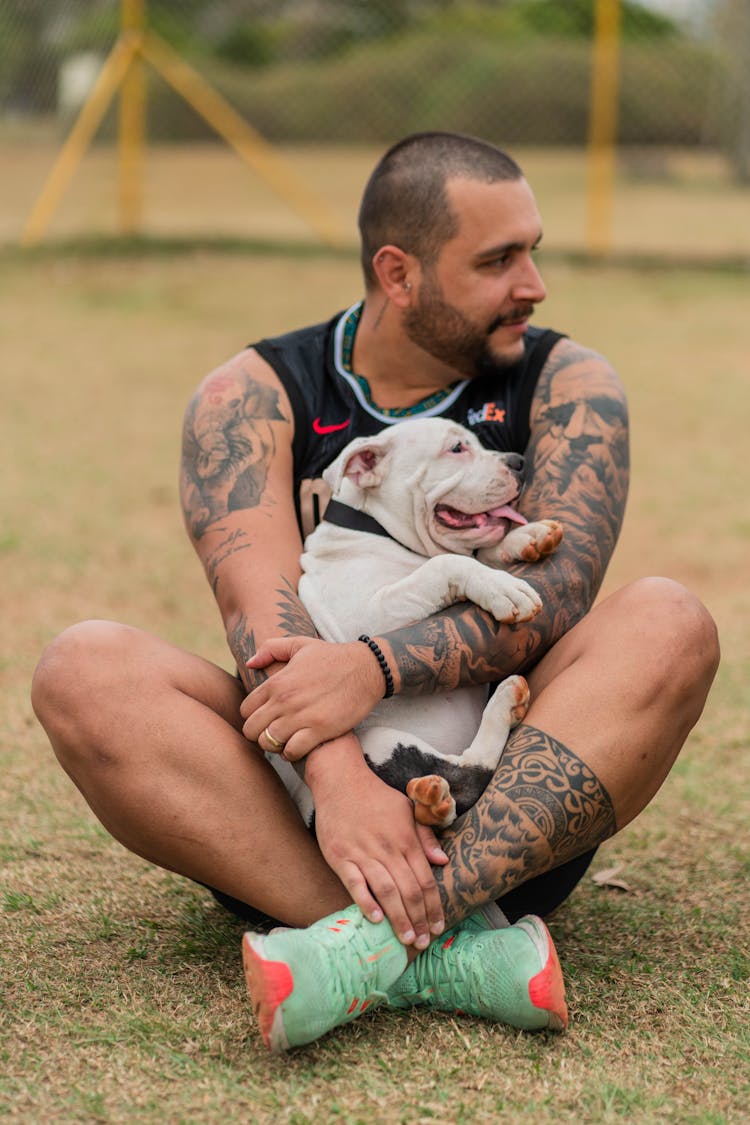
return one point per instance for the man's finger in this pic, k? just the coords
(356, 884)
(402, 899)
(428, 888)
(277, 648)
(299, 745)
(431, 846)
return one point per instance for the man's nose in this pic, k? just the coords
(529, 285)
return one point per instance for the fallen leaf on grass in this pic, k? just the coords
(606, 878)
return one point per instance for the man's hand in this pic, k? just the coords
(368, 836)
(322, 691)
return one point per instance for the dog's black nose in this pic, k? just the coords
(514, 461)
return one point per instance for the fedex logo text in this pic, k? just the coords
(490, 412)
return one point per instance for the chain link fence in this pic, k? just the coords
(331, 82)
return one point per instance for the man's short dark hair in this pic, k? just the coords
(405, 201)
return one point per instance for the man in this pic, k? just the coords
(161, 743)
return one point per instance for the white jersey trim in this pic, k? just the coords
(386, 419)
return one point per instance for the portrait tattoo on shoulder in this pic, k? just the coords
(227, 446)
(543, 807)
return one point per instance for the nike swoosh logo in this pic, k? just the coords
(321, 429)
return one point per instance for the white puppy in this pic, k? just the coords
(410, 509)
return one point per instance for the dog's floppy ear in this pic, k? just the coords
(363, 462)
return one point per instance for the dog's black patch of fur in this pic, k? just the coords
(467, 782)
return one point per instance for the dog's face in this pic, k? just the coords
(432, 485)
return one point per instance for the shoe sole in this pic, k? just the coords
(547, 988)
(269, 983)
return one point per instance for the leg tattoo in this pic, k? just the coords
(543, 807)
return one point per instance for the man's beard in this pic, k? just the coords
(445, 333)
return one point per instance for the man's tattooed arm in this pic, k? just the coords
(576, 472)
(544, 806)
(235, 487)
(228, 444)
(293, 619)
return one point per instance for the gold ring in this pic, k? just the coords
(274, 743)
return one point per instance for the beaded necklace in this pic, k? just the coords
(347, 352)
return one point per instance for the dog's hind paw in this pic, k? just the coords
(514, 691)
(433, 803)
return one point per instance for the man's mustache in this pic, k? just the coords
(520, 312)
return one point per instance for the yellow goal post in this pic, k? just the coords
(123, 70)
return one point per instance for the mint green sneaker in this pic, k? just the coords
(511, 975)
(303, 983)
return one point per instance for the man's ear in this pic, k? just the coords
(396, 272)
(364, 462)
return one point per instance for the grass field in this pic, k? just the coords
(121, 995)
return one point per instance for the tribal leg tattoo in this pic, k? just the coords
(544, 806)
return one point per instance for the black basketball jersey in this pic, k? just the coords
(331, 405)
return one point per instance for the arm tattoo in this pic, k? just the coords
(576, 472)
(294, 621)
(543, 806)
(235, 540)
(227, 447)
(242, 644)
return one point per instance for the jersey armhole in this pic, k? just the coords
(300, 412)
(537, 360)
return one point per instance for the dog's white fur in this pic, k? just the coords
(415, 478)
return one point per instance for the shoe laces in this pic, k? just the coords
(441, 972)
(355, 967)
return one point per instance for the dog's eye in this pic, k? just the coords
(459, 447)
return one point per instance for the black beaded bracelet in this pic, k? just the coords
(375, 649)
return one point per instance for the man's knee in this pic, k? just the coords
(675, 634)
(74, 678)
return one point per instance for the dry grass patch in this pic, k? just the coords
(122, 996)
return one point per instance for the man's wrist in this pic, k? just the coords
(385, 667)
(328, 759)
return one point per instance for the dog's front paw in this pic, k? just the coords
(433, 804)
(532, 542)
(512, 600)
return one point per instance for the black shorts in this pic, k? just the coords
(540, 895)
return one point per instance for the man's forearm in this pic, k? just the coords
(291, 619)
(464, 645)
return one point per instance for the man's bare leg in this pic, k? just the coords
(150, 736)
(164, 767)
(612, 704)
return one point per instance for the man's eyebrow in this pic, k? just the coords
(506, 248)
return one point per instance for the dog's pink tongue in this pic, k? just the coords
(453, 518)
(507, 513)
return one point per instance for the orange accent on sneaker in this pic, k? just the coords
(449, 942)
(269, 983)
(353, 1005)
(365, 1004)
(380, 952)
(547, 991)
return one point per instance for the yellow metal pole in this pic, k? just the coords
(132, 124)
(246, 141)
(603, 127)
(72, 152)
